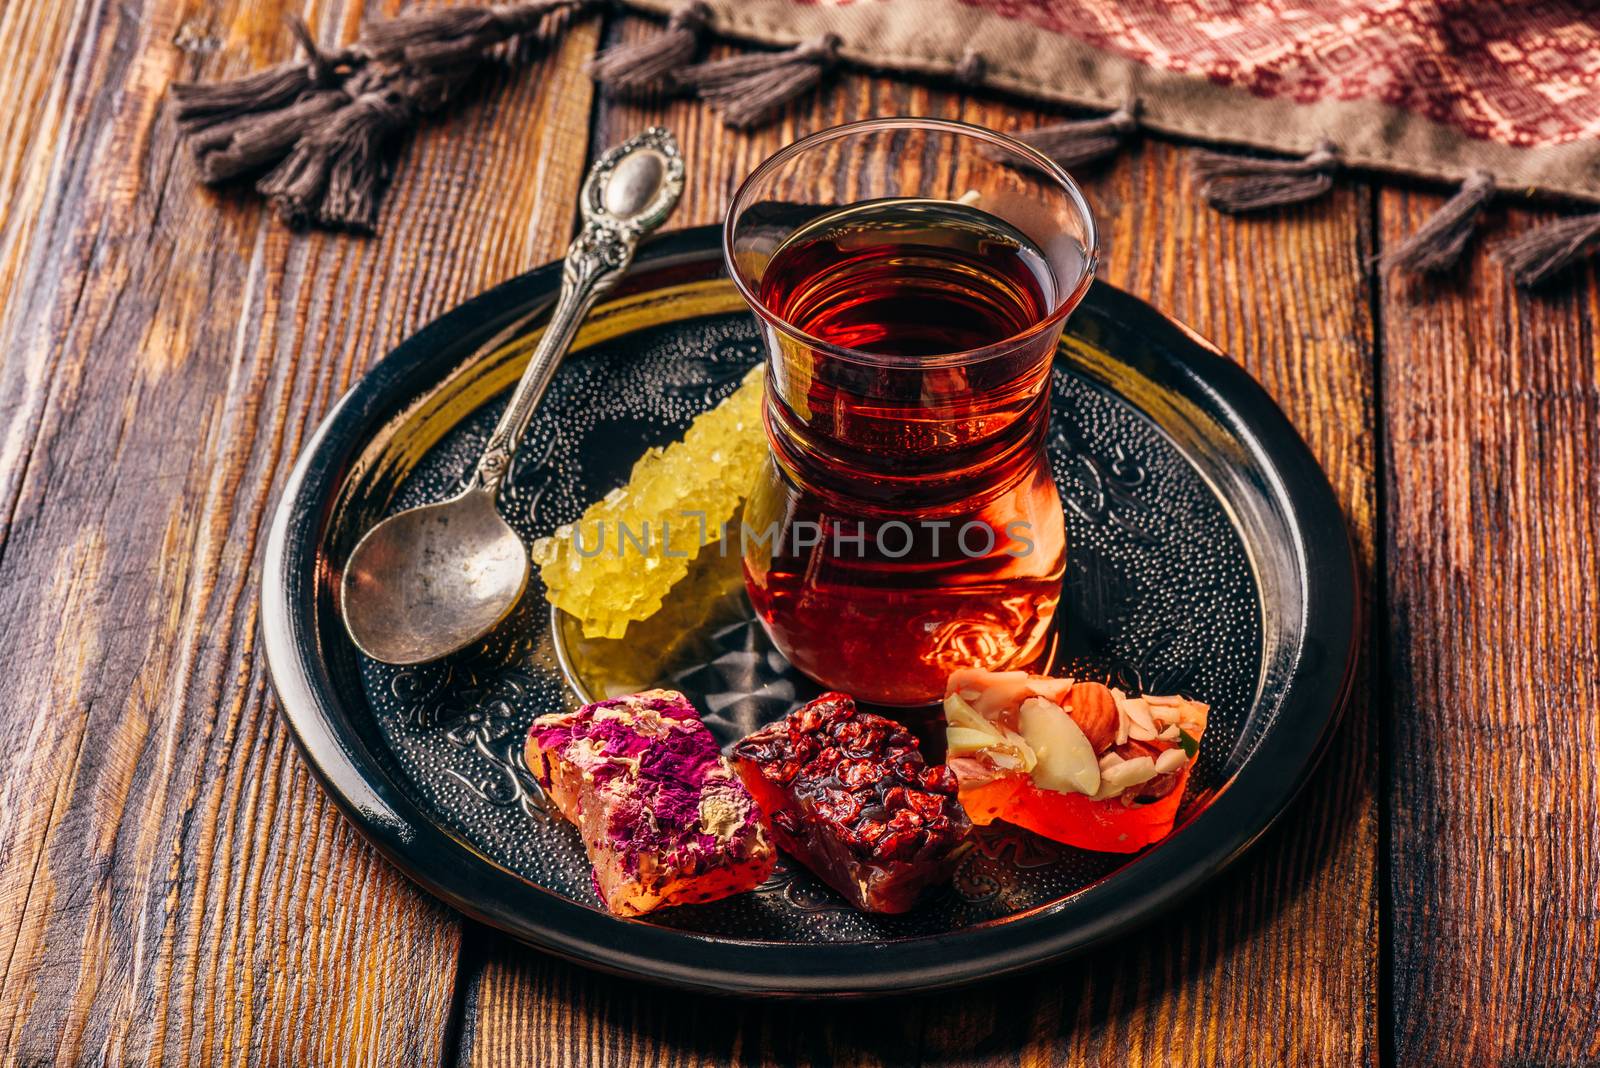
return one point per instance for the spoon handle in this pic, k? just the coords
(596, 259)
(628, 192)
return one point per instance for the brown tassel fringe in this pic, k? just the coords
(318, 132)
(322, 129)
(750, 89)
(203, 107)
(653, 64)
(1235, 184)
(1540, 255)
(444, 36)
(251, 143)
(1078, 144)
(1438, 243)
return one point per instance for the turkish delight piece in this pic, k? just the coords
(675, 495)
(663, 816)
(850, 797)
(1076, 761)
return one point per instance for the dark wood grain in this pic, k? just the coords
(1278, 961)
(173, 887)
(1492, 441)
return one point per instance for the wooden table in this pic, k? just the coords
(175, 889)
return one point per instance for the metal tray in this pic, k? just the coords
(1206, 556)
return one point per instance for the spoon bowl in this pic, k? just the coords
(434, 579)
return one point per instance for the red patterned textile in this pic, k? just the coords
(1522, 74)
(1435, 89)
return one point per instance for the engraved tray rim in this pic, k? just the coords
(359, 783)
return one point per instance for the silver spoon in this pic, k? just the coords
(429, 581)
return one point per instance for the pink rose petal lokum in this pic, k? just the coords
(665, 818)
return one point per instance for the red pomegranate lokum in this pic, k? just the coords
(851, 797)
(1079, 762)
(665, 819)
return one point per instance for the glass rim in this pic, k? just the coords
(1039, 160)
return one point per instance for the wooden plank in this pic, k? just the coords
(1277, 962)
(173, 887)
(1492, 447)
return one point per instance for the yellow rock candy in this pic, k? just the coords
(615, 565)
